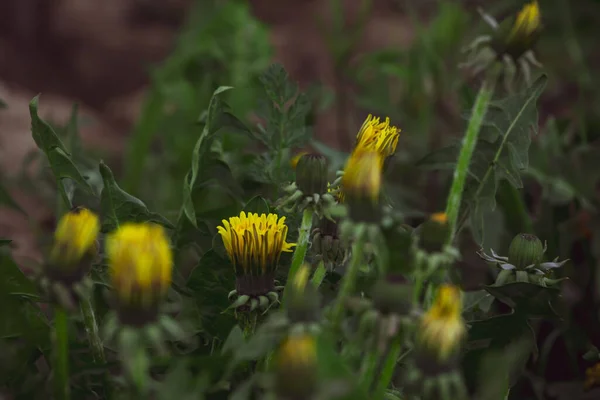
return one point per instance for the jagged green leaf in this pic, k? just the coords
(217, 117)
(527, 298)
(61, 163)
(257, 205)
(119, 206)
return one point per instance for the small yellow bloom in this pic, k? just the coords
(377, 136)
(440, 218)
(255, 242)
(362, 175)
(297, 351)
(527, 23)
(75, 236)
(442, 327)
(301, 278)
(296, 158)
(141, 262)
(592, 376)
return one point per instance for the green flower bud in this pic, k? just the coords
(525, 250)
(295, 372)
(304, 300)
(311, 174)
(393, 295)
(433, 233)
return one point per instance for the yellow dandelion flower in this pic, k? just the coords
(440, 218)
(296, 158)
(75, 236)
(527, 23)
(442, 327)
(362, 176)
(377, 136)
(297, 351)
(255, 242)
(141, 263)
(592, 376)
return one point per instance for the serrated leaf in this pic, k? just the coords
(217, 117)
(119, 206)
(527, 298)
(59, 158)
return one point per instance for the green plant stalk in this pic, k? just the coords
(61, 348)
(301, 248)
(387, 368)
(368, 368)
(319, 274)
(91, 329)
(480, 107)
(348, 281)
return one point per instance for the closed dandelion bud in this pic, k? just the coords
(393, 295)
(377, 136)
(254, 244)
(525, 250)
(311, 174)
(296, 368)
(434, 232)
(441, 332)
(74, 246)
(518, 35)
(141, 264)
(362, 186)
(304, 300)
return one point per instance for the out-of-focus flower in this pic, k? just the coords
(525, 30)
(294, 160)
(74, 239)
(592, 376)
(442, 327)
(141, 263)
(377, 136)
(296, 372)
(434, 232)
(361, 184)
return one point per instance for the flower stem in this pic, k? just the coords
(91, 328)
(348, 281)
(464, 159)
(319, 274)
(61, 348)
(301, 248)
(387, 368)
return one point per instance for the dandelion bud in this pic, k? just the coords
(296, 369)
(141, 264)
(434, 232)
(74, 245)
(525, 250)
(441, 331)
(304, 299)
(311, 174)
(520, 33)
(296, 158)
(362, 185)
(393, 295)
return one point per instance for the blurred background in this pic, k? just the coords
(142, 71)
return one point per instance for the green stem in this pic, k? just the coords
(61, 348)
(319, 274)
(301, 248)
(368, 368)
(348, 281)
(464, 159)
(387, 368)
(91, 329)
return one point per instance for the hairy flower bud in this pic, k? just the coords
(525, 250)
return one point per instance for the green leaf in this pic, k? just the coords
(527, 298)
(217, 117)
(257, 205)
(59, 158)
(210, 283)
(5, 242)
(118, 206)
(3, 104)
(477, 300)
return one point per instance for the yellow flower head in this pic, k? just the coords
(377, 136)
(297, 351)
(592, 376)
(254, 242)
(296, 158)
(440, 218)
(75, 236)
(527, 23)
(362, 175)
(442, 327)
(141, 263)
